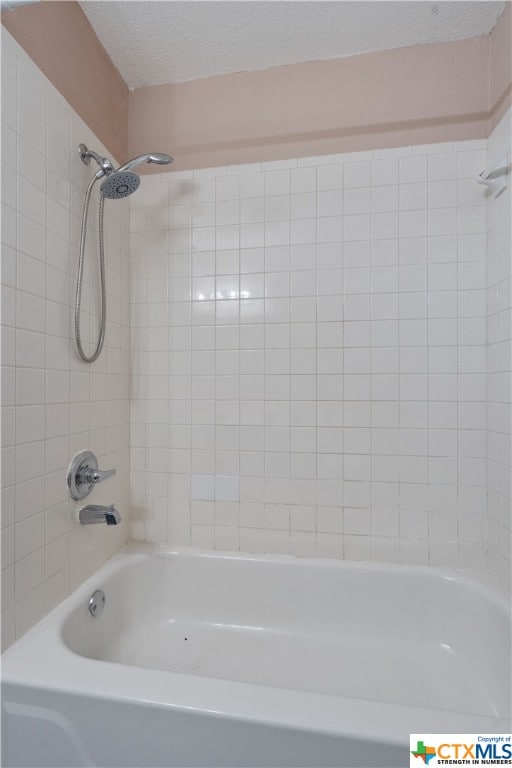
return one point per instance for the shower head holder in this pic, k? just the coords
(495, 180)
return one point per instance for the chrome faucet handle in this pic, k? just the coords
(89, 475)
(83, 475)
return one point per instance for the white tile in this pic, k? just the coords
(384, 171)
(31, 202)
(32, 127)
(42, 374)
(277, 182)
(356, 174)
(226, 488)
(31, 85)
(29, 609)
(203, 487)
(28, 573)
(303, 180)
(329, 176)
(412, 169)
(318, 362)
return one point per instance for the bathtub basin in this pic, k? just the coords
(206, 659)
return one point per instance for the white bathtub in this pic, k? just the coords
(203, 659)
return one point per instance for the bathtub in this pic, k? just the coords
(206, 659)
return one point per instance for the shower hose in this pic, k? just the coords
(80, 275)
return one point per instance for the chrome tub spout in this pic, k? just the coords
(95, 513)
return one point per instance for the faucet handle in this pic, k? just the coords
(93, 475)
(83, 475)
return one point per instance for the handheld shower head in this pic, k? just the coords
(115, 185)
(160, 158)
(153, 157)
(119, 184)
(122, 182)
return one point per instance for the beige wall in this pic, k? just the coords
(420, 94)
(59, 39)
(500, 67)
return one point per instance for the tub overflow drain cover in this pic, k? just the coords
(97, 602)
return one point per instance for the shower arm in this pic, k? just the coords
(103, 162)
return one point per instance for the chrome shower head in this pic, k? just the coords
(122, 182)
(153, 157)
(119, 184)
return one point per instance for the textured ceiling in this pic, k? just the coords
(167, 41)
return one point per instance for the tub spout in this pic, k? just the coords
(94, 513)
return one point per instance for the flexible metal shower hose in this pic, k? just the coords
(78, 299)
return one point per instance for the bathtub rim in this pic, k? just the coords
(248, 702)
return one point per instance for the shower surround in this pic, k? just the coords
(309, 357)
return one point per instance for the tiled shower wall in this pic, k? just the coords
(53, 405)
(499, 283)
(308, 356)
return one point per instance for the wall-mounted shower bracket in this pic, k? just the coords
(103, 162)
(84, 154)
(495, 180)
